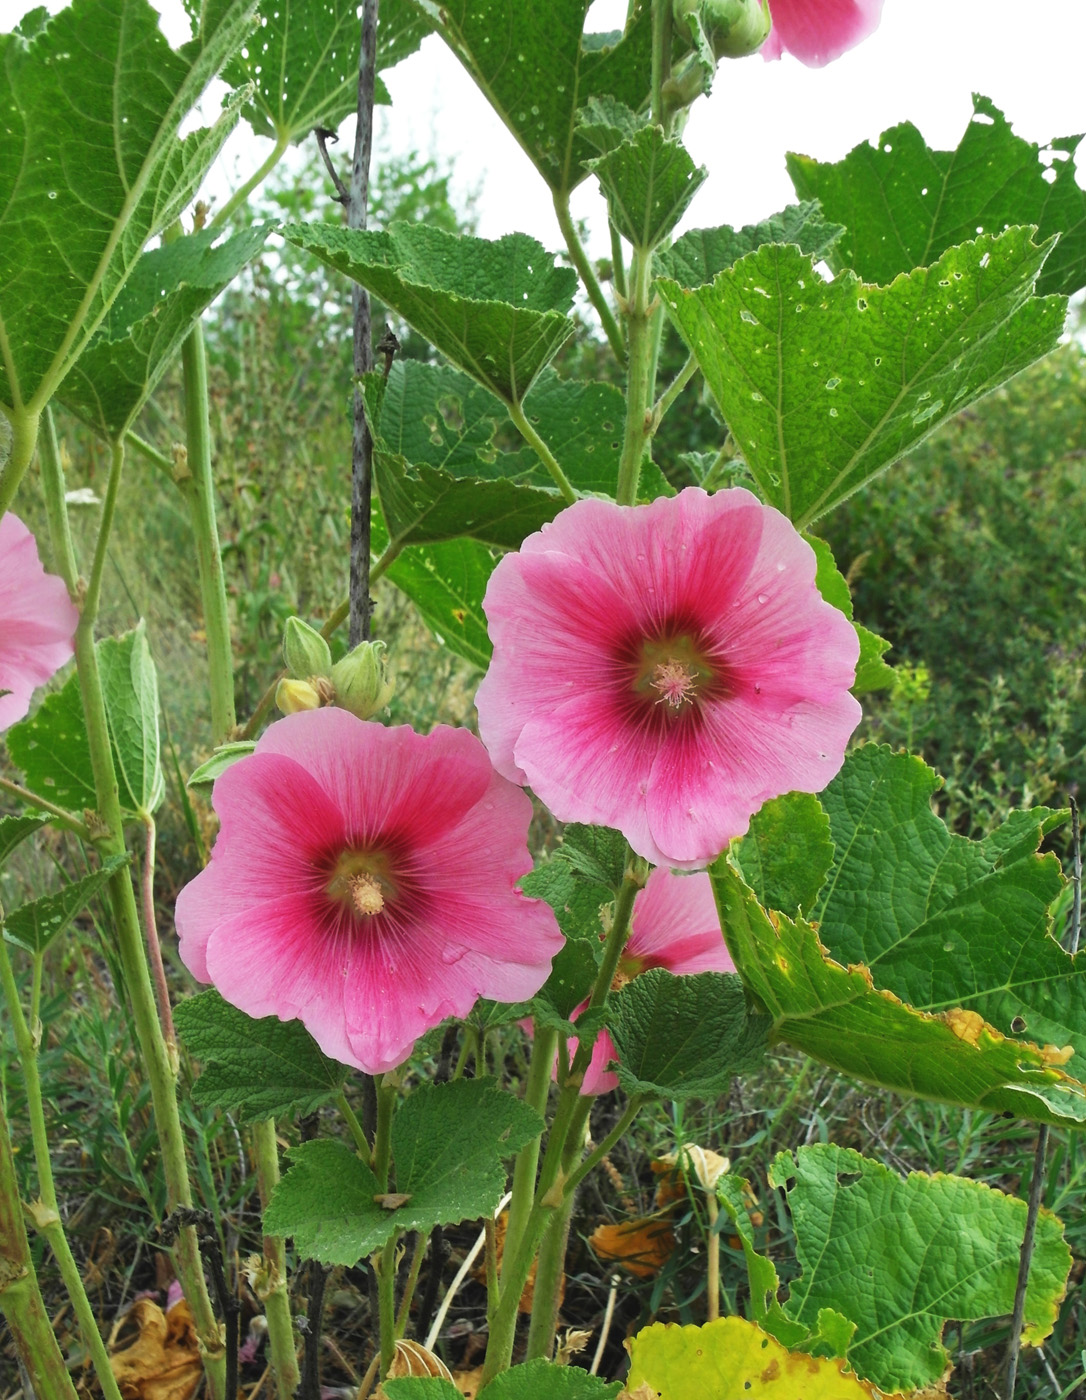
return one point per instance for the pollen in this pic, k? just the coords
(366, 895)
(676, 683)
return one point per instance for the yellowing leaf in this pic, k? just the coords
(729, 1358)
(164, 1362)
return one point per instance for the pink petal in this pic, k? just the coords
(818, 31)
(675, 925)
(37, 620)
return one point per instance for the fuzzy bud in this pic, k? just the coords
(736, 28)
(360, 682)
(305, 651)
(293, 696)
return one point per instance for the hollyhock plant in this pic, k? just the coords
(818, 31)
(674, 925)
(362, 882)
(37, 621)
(665, 669)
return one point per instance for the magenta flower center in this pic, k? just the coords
(362, 881)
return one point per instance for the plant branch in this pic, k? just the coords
(24, 427)
(148, 450)
(154, 947)
(242, 193)
(1033, 1209)
(673, 390)
(638, 377)
(273, 1290)
(546, 456)
(69, 820)
(536, 1093)
(587, 274)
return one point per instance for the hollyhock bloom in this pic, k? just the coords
(363, 882)
(664, 669)
(674, 925)
(37, 621)
(818, 31)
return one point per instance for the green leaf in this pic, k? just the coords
(256, 1069)
(872, 673)
(166, 292)
(15, 830)
(34, 925)
(699, 255)
(787, 853)
(130, 687)
(543, 1380)
(731, 1358)
(649, 181)
(91, 168)
(596, 853)
(202, 779)
(825, 384)
(52, 750)
(902, 1256)
(944, 922)
(904, 205)
(684, 1037)
(496, 309)
(536, 67)
(421, 1388)
(301, 62)
(571, 979)
(446, 582)
(448, 1141)
(836, 1015)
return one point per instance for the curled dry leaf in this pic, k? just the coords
(413, 1359)
(708, 1167)
(163, 1363)
(642, 1245)
(469, 1383)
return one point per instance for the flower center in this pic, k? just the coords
(673, 672)
(366, 894)
(676, 683)
(363, 881)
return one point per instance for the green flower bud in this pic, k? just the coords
(293, 696)
(305, 650)
(360, 682)
(736, 28)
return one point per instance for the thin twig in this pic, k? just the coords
(605, 1327)
(1036, 1190)
(154, 947)
(461, 1275)
(1076, 878)
(323, 135)
(66, 818)
(310, 1387)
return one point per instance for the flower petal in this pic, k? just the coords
(676, 925)
(818, 31)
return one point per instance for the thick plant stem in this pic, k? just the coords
(129, 934)
(546, 456)
(638, 378)
(536, 1091)
(46, 1212)
(24, 429)
(587, 275)
(20, 1297)
(548, 1284)
(284, 1356)
(199, 487)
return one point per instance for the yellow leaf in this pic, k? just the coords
(164, 1362)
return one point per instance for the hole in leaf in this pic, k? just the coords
(1018, 1025)
(848, 1178)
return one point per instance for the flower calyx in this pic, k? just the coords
(359, 681)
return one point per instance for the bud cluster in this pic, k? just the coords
(357, 682)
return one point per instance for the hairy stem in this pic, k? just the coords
(46, 1212)
(546, 456)
(638, 378)
(536, 1091)
(549, 1274)
(154, 947)
(242, 193)
(284, 1356)
(67, 819)
(415, 1268)
(673, 390)
(129, 935)
(587, 274)
(24, 427)
(199, 487)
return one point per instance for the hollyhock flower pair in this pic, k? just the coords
(37, 621)
(660, 669)
(818, 31)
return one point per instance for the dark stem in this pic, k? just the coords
(226, 1297)
(439, 1252)
(1076, 878)
(1036, 1190)
(361, 605)
(309, 1388)
(323, 135)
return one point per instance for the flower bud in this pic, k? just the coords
(293, 696)
(736, 28)
(305, 650)
(360, 682)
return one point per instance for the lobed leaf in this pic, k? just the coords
(904, 204)
(446, 582)
(255, 1068)
(826, 384)
(649, 181)
(901, 1256)
(545, 1380)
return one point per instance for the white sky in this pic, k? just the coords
(922, 64)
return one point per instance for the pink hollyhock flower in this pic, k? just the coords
(674, 925)
(37, 621)
(818, 31)
(664, 669)
(363, 882)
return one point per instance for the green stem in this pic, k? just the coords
(200, 489)
(661, 58)
(240, 195)
(20, 1297)
(386, 1298)
(154, 947)
(618, 261)
(281, 1345)
(148, 450)
(712, 1250)
(93, 595)
(673, 390)
(548, 1284)
(46, 1212)
(67, 819)
(638, 377)
(357, 1132)
(129, 935)
(382, 1137)
(536, 1092)
(419, 1253)
(24, 427)
(547, 457)
(587, 274)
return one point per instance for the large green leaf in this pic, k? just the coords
(786, 854)
(835, 1014)
(684, 1037)
(167, 290)
(872, 672)
(448, 1142)
(825, 384)
(257, 1069)
(904, 205)
(91, 167)
(446, 582)
(536, 67)
(699, 255)
(901, 1256)
(496, 309)
(301, 62)
(543, 1380)
(649, 181)
(34, 925)
(944, 922)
